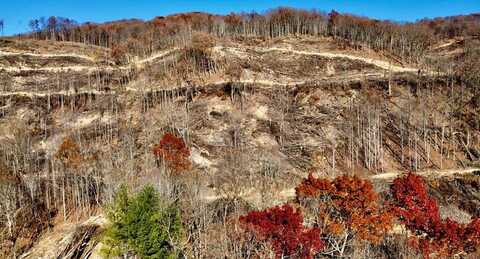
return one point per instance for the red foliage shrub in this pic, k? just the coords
(174, 153)
(418, 211)
(347, 204)
(420, 214)
(283, 228)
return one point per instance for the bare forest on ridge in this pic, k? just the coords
(283, 134)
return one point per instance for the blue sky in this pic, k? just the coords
(17, 13)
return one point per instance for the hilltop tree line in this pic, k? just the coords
(52, 28)
(407, 41)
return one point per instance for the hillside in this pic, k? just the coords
(257, 115)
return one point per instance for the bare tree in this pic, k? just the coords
(2, 25)
(34, 26)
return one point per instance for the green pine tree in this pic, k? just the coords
(142, 225)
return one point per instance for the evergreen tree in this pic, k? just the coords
(142, 225)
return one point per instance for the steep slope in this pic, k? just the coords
(256, 117)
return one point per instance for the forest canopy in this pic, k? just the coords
(406, 40)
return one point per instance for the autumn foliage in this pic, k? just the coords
(69, 153)
(119, 53)
(174, 152)
(420, 214)
(347, 205)
(282, 227)
(348, 208)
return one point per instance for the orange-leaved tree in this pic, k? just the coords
(420, 214)
(119, 53)
(69, 153)
(347, 208)
(173, 152)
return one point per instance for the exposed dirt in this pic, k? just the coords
(256, 116)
